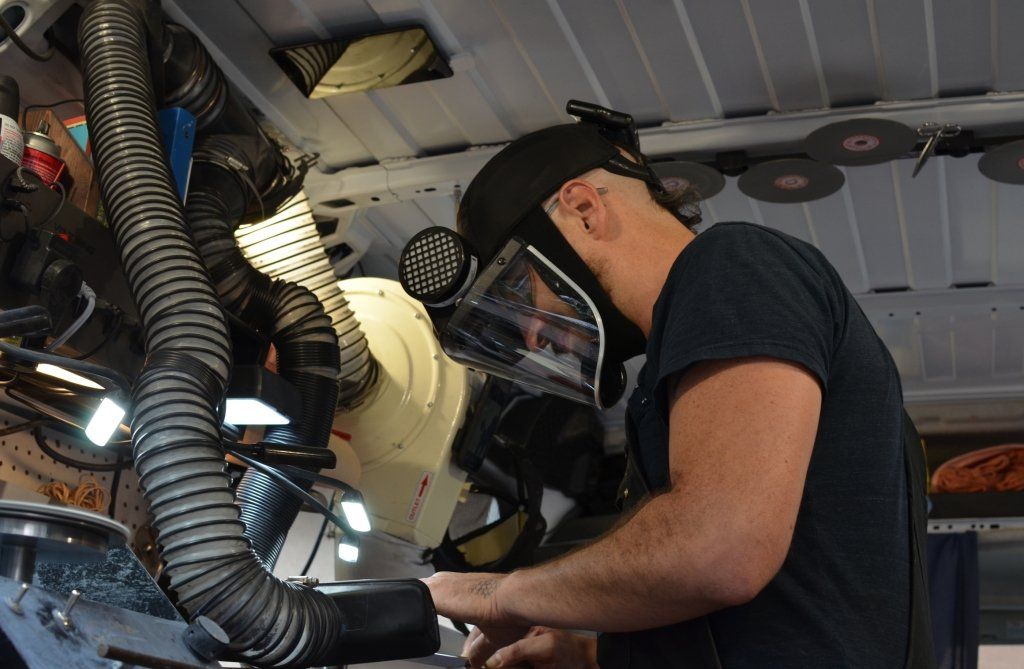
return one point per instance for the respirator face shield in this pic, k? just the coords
(523, 319)
(507, 294)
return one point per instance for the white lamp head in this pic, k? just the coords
(105, 421)
(348, 549)
(355, 512)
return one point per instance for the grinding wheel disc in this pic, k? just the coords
(1004, 164)
(860, 141)
(791, 180)
(707, 181)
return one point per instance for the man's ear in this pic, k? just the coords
(581, 201)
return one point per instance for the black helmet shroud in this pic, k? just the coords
(504, 201)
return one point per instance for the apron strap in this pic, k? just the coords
(686, 645)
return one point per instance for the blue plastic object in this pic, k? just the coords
(178, 130)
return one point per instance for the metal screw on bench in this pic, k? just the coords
(15, 602)
(65, 616)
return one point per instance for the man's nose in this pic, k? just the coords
(532, 336)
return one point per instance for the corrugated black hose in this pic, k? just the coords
(175, 425)
(288, 314)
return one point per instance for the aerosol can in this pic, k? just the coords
(12, 143)
(42, 155)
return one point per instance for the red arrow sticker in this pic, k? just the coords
(419, 496)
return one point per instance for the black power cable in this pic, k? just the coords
(25, 48)
(49, 105)
(21, 427)
(45, 447)
(319, 537)
(115, 483)
(293, 489)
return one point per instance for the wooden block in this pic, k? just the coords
(85, 188)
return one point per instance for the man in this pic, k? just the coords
(773, 508)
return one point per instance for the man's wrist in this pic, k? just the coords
(511, 596)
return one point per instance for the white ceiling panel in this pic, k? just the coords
(1007, 19)
(518, 61)
(902, 336)
(336, 17)
(729, 205)
(440, 209)
(972, 345)
(468, 110)
(905, 41)
(785, 218)
(937, 362)
(673, 59)
(791, 60)
(427, 119)
(1008, 343)
(525, 102)
(723, 34)
(398, 221)
(288, 27)
(874, 203)
(543, 31)
(926, 225)
(969, 201)
(364, 118)
(829, 221)
(610, 43)
(1009, 235)
(842, 31)
(963, 46)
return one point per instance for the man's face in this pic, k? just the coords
(552, 322)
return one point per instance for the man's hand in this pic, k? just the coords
(541, 648)
(471, 598)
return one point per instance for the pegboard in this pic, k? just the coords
(22, 464)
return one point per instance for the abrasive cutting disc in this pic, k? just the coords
(676, 174)
(791, 180)
(860, 141)
(1004, 164)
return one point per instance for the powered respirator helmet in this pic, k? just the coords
(507, 293)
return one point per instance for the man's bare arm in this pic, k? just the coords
(741, 435)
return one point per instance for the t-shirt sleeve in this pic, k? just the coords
(743, 291)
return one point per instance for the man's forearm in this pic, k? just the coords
(655, 569)
(742, 433)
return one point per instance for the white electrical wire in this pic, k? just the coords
(90, 296)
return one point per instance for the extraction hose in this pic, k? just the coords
(193, 81)
(307, 354)
(240, 174)
(175, 425)
(238, 164)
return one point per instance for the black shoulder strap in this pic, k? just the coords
(686, 645)
(920, 654)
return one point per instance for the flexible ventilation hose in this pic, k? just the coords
(175, 424)
(239, 165)
(289, 315)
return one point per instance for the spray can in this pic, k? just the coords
(42, 155)
(11, 142)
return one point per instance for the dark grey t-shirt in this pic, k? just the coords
(842, 596)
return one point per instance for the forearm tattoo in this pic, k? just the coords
(485, 588)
